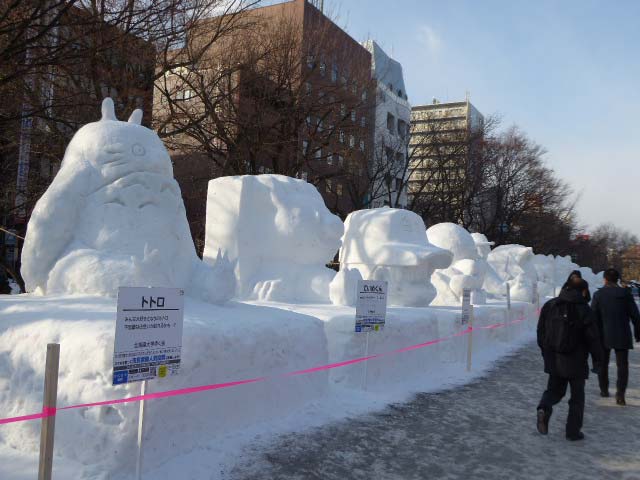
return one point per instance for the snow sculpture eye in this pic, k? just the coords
(137, 149)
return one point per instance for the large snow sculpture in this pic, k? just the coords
(113, 216)
(493, 284)
(391, 244)
(278, 231)
(544, 265)
(563, 268)
(514, 264)
(466, 270)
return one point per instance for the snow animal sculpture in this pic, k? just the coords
(466, 269)
(493, 284)
(391, 244)
(278, 232)
(544, 265)
(113, 216)
(344, 286)
(514, 264)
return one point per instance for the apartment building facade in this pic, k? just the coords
(443, 139)
(388, 165)
(46, 109)
(308, 117)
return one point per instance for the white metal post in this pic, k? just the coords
(143, 391)
(470, 340)
(366, 362)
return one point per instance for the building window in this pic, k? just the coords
(399, 158)
(364, 96)
(391, 121)
(402, 128)
(305, 147)
(354, 88)
(334, 73)
(398, 184)
(339, 189)
(307, 86)
(318, 154)
(330, 159)
(343, 110)
(340, 161)
(353, 116)
(323, 68)
(352, 141)
(362, 145)
(341, 136)
(305, 176)
(310, 61)
(328, 184)
(363, 121)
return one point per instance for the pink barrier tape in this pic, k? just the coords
(48, 412)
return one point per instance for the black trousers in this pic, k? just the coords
(622, 362)
(556, 390)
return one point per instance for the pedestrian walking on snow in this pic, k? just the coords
(614, 308)
(567, 333)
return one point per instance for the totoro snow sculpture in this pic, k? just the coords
(114, 216)
(391, 244)
(278, 232)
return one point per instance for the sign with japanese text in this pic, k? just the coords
(148, 339)
(371, 305)
(466, 306)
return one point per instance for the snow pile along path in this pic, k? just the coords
(194, 435)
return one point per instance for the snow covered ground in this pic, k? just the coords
(200, 435)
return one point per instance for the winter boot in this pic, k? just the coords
(543, 421)
(575, 437)
(620, 399)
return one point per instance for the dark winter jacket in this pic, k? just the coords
(614, 308)
(572, 364)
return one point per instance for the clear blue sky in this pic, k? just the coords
(566, 71)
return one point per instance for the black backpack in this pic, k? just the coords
(562, 328)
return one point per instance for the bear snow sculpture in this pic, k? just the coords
(391, 244)
(278, 232)
(113, 216)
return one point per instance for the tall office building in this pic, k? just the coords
(388, 164)
(444, 137)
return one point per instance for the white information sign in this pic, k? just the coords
(466, 306)
(148, 339)
(371, 305)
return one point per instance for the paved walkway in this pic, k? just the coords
(484, 430)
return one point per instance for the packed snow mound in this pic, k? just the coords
(544, 265)
(113, 216)
(467, 270)
(391, 244)
(278, 232)
(454, 238)
(493, 284)
(563, 268)
(344, 287)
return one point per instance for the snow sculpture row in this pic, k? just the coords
(114, 216)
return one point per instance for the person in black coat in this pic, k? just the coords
(576, 276)
(614, 307)
(567, 333)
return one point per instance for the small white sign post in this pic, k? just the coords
(508, 326)
(467, 319)
(535, 300)
(148, 340)
(371, 312)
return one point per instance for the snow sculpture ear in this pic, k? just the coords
(136, 117)
(108, 110)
